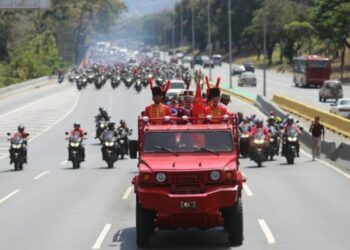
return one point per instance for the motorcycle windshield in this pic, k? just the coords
(245, 129)
(75, 138)
(17, 139)
(259, 134)
(108, 136)
(292, 132)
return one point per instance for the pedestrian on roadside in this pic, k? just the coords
(316, 130)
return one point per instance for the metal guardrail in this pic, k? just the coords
(333, 122)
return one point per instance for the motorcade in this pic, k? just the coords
(217, 59)
(237, 69)
(311, 70)
(247, 78)
(331, 89)
(342, 108)
(188, 176)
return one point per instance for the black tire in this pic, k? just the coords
(16, 166)
(235, 230)
(259, 164)
(144, 225)
(110, 164)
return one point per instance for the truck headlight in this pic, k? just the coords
(161, 177)
(215, 175)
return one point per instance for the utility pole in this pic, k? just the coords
(209, 38)
(193, 38)
(230, 41)
(181, 24)
(173, 34)
(264, 45)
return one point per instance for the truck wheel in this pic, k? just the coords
(236, 224)
(144, 225)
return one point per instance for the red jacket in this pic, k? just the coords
(80, 130)
(255, 129)
(23, 135)
(157, 111)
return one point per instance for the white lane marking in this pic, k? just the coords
(268, 234)
(64, 162)
(127, 193)
(102, 236)
(339, 171)
(247, 190)
(50, 127)
(41, 175)
(9, 196)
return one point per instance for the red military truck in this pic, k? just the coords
(188, 176)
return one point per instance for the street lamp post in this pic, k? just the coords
(181, 24)
(209, 39)
(193, 38)
(230, 42)
(264, 45)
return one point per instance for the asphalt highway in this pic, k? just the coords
(276, 83)
(51, 206)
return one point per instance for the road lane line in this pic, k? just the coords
(9, 196)
(127, 193)
(102, 236)
(247, 190)
(339, 171)
(64, 162)
(41, 175)
(265, 228)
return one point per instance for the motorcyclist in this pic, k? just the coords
(278, 119)
(289, 124)
(110, 129)
(103, 114)
(245, 122)
(78, 129)
(259, 125)
(24, 135)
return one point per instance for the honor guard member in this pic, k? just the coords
(214, 108)
(158, 109)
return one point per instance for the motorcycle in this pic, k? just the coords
(17, 157)
(101, 126)
(74, 149)
(115, 81)
(274, 145)
(291, 144)
(109, 148)
(60, 78)
(138, 86)
(123, 142)
(244, 140)
(128, 82)
(258, 151)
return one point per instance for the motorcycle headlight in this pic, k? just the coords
(16, 146)
(292, 139)
(161, 177)
(258, 141)
(74, 145)
(272, 140)
(109, 144)
(121, 141)
(215, 175)
(102, 126)
(245, 136)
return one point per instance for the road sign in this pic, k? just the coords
(25, 4)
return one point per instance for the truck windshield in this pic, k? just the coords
(192, 141)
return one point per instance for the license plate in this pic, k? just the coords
(188, 204)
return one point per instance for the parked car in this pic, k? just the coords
(237, 69)
(249, 67)
(247, 78)
(207, 62)
(217, 59)
(176, 87)
(187, 59)
(342, 108)
(179, 55)
(331, 89)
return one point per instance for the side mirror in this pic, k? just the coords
(28, 134)
(85, 133)
(9, 134)
(133, 145)
(66, 133)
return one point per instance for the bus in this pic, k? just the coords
(311, 70)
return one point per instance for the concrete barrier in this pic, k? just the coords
(266, 106)
(15, 88)
(334, 122)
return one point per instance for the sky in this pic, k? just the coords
(142, 7)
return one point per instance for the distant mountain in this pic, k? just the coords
(144, 7)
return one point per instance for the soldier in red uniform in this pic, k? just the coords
(214, 108)
(158, 109)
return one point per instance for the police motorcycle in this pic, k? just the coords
(91, 77)
(75, 149)
(259, 148)
(138, 86)
(128, 81)
(60, 77)
(115, 80)
(291, 144)
(244, 139)
(17, 154)
(110, 147)
(274, 145)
